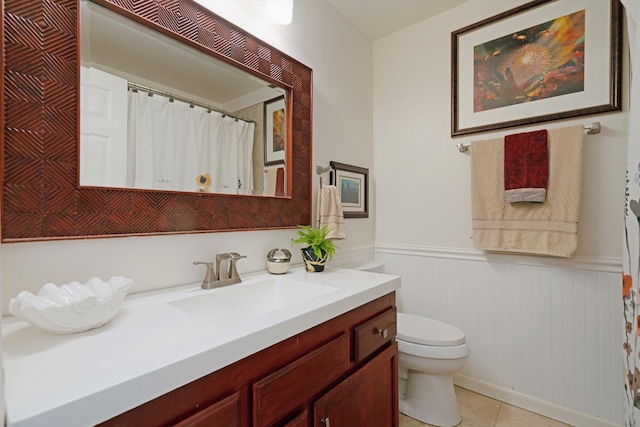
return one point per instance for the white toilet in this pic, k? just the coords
(430, 352)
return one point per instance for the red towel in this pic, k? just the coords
(280, 182)
(526, 166)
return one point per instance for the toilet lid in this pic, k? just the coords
(422, 330)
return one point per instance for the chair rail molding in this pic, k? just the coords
(611, 265)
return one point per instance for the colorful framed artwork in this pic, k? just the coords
(353, 186)
(544, 60)
(275, 129)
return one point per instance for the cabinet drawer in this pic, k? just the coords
(284, 390)
(225, 413)
(374, 333)
(301, 420)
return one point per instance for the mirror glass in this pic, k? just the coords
(158, 114)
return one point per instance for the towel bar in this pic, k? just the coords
(591, 129)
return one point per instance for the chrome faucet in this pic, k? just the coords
(217, 276)
(220, 258)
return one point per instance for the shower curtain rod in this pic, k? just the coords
(152, 91)
(591, 129)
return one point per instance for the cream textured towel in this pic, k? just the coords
(329, 212)
(550, 228)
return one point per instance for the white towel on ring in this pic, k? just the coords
(329, 212)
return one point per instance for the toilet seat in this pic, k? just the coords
(432, 351)
(430, 332)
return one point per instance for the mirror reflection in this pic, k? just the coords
(157, 114)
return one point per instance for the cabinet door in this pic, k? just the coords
(225, 413)
(295, 385)
(369, 397)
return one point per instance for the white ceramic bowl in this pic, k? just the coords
(72, 307)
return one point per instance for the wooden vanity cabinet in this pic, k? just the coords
(343, 371)
(366, 398)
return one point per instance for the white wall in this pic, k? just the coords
(2, 408)
(341, 60)
(422, 180)
(544, 337)
(505, 303)
(420, 201)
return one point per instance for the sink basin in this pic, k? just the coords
(230, 305)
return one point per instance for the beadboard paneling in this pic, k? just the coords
(549, 332)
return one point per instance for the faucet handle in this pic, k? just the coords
(235, 257)
(209, 276)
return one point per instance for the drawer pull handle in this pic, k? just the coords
(326, 422)
(383, 333)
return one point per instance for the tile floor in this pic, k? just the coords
(477, 410)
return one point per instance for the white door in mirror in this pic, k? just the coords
(103, 128)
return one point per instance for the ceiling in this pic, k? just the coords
(379, 18)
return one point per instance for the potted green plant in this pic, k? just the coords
(319, 249)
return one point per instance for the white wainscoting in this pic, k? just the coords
(545, 334)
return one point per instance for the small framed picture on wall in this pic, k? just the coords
(353, 186)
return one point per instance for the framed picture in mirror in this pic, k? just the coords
(353, 186)
(275, 131)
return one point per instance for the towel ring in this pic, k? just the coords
(324, 169)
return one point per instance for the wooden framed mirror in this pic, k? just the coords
(41, 197)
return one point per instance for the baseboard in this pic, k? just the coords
(547, 409)
(612, 265)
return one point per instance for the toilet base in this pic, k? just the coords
(430, 399)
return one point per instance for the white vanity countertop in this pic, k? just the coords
(151, 348)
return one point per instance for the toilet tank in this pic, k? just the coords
(373, 267)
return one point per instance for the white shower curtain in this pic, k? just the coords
(631, 253)
(233, 157)
(171, 145)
